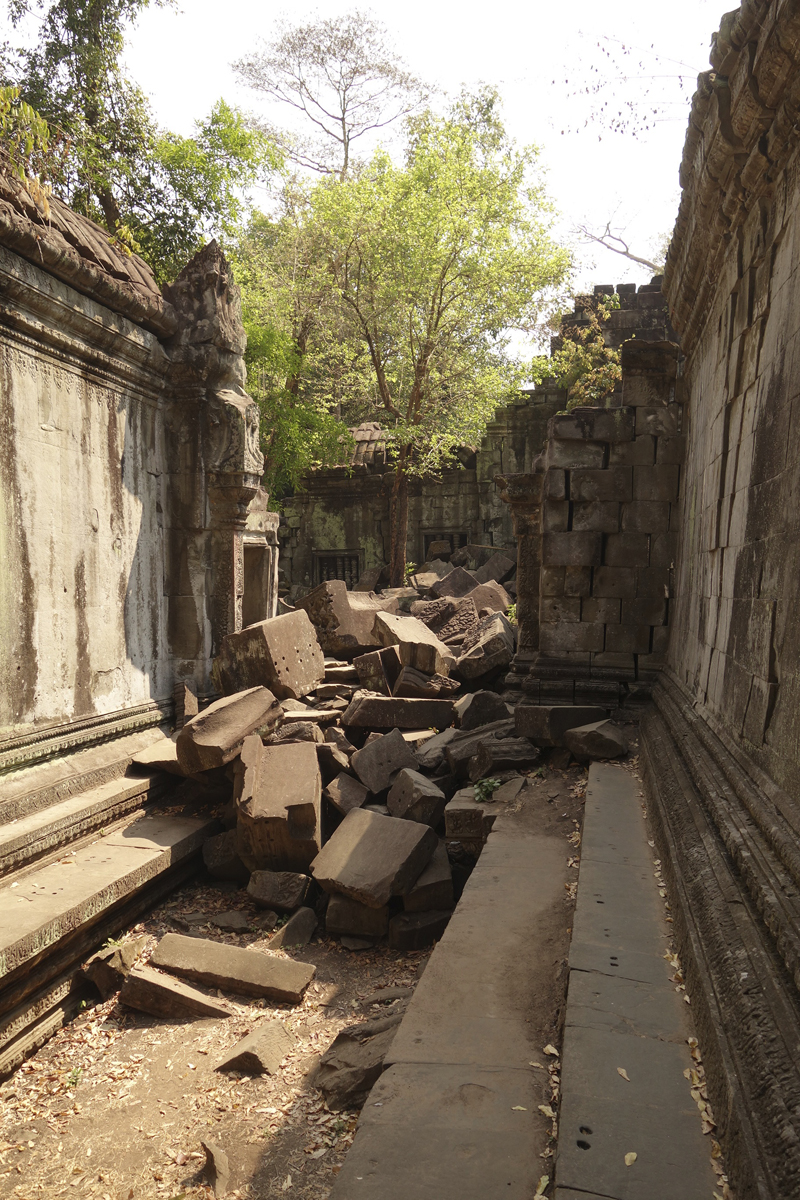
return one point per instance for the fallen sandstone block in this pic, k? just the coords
(381, 758)
(298, 930)
(215, 736)
(418, 646)
(296, 731)
(345, 916)
(371, 858)
(431, 754)
(343, 620)
(282, 654)
(221, 858)
(457, 582)
(480, 708)
(464, 744)
(600, 739)
(354, 1061)
(488, 649)
(217, 1168)
(109, 968)
(332, 761)
(260, 1053)
(434, 888)
(437, 614)
(161, 755)
(368, 711)
(345, 792)
(496, 569)
(149, 991)
(278, 797)
(412, 684)
(416, 930)
(503, 754)
(378, 670)
(491, 596)
(283, 891)
(413, 797)
(546, 724)
(246, 972)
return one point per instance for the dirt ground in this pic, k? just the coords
(116, 1104)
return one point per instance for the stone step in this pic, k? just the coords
(54, 916)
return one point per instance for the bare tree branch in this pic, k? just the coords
(612, 241)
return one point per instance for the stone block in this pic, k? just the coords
(222, 860)
(161, 755)
(358, 920)
(489, 595)
(354, 1062)
(332, 761)
(615, 483)
(662, 421)
(555, 516)
(278, 797)
(571, 455)
(281, 891)
(578, 581)
(434, 888)
(628, 639)
(417, 645)
(627, 550)
(413, 684)
(464, 745)
(640, 452)
(260, 1053)
(614, 582)
(340, 673)
(339, 738)
(297, 731)
(344, 620)
(553, 610)
(503, 754)
(671, 450)
(371, 858)
(367, 711)
(486, 651)
(232, 968)
(572, 549)
(378, 669)
(345, 792)
(215, 736)
(414, 797)
(545, 724)
(644, 611)
(298, 930)
(600, 739)
(431, 755)
(663, 550)
(416, 930)
(281, 654)
(613, 666)
(551, 581)
(605, 610)
(458, 582)
(368, 580)
(645, 516)
(555, 484)
(554, 639)
(593, 425)
(464, 817)
(496, 569)
(379, 761)
(646, 391)
(109, 968)
(656, 483)
(158, 995)
(660, 641)
(601, 516)
(438, 614)
(480, 708)
(654, 582)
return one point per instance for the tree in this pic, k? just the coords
(152, 190)
(581, 363)
(432, 263)
(342, 76)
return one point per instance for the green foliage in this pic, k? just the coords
(512, 614)
(583, 365)
(486, 788)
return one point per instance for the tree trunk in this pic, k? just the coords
(398, 525)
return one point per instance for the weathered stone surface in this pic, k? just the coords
(507, 754)
(464, 745)
(339, 738)
(109, 968)
(343, 620)
(437, 614)
(413, 797)
(465, 817)
(369, 580)
(372, 858)
(215, 736)
(296, 731)
(378, 670)
(281, 654)
(160, 755)
(600, 739)
(416, 930)
(298, 930)
(417, 645)
(381, 758)
(332, 761)
(490, 596)
(222, 858)
(149, 991)
(260, 1053)
(358, 920)
(546, 724)
(278, 795)
(413, 684)
(431, 755)
(480, 708)
(233, 921)
(217, 1168)
(457, 582)
(351, 1065)
(283, 891)
(382, 712)
(434, 888)
(488, 650)
(247, 972)
(497, 568)
(345, 792)
(341, 673)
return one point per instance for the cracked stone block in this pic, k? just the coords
(546, 724)
(381, 758)
(278, 797)
(283, 891)
(233, 969)
(413, 797)
(418, 646)
(260, 1053)
(391, 712)
(345, 792)
(149, 991)
(215, 736)
(600, 739)
(355, 919)
(434, 888)
(343, 620)
(282, 654)
(222, 860)
(480, 708)
(416, 930)
(371, 858)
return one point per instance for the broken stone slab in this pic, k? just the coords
(296, 731)
(160, 755)
(217, 1168)
(334, 691)
(461, 625)
(322, 716)
(503, 754)
(231, 968)
(480, 708)
(464, 744)
(184, 697)
(369, 579)
(508, 791)
(436, 614)
(345, 916)
(381, 758)
(221, 858)
(346, 793)
(356, 943)
(298, 930)
(546, 724)
(496, 569)
(434, 888)
(215, 736)
(234, 921)
(457, 582)
(344, 673)
(278, 796)
(371, 858)
(147, 990)
(403, 598)
(380, 809)
(260, 1053)
(265, 920)
(417, 737)
(472, 556)
(368, 711)
(339, 738)
(332, 762)
(283, 891)
(488, 649)
(413, 797)
(418, 646)
(109, 968)
(413, 684)
(431, 755)
(352, 1064)
(600, 739)
(466, 820)
(281, 654)
(343, 620)
(416, 930)
(378, 670)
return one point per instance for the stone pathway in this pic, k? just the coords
(629, 1128)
